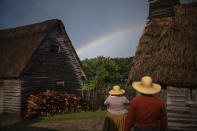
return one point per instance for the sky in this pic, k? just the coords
(110, 28)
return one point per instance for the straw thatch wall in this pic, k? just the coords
(167, 49)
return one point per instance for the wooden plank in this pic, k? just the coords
(182, 110)
(1, 97)
(176, 95)
(180, 129)
(158, 9)
(181, 126)
(12, 92)
(177, 104)
(177, 98)
(153, 1)
(181, 115)
(13, 111)
(183, 120)
(12, 107)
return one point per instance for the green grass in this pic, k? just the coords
(8, 120)
(99, 114)
(76, 115)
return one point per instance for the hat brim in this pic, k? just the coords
(120, 92)
(154, 89)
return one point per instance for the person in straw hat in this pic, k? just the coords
(116, 112)
(146, 112)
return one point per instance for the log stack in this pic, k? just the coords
(50, 102)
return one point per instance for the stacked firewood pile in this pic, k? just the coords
(50, 102)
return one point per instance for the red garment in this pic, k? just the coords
(146, 112)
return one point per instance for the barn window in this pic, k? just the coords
(55, 48)
(192, 94)
(60, 83)
(192, 97)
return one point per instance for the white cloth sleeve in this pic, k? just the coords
(107, 101)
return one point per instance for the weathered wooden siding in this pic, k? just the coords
(161, 8)
(182, 113)
(162, 94)
(47, 68)
(11, 96)
(1, 97)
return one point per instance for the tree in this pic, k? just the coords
(104, 72)
(124, 66)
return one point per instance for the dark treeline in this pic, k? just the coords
(104, 72)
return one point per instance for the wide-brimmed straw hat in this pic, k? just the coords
(116, 91)
(145, 86)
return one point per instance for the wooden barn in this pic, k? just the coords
(35, 58)
(167, 52)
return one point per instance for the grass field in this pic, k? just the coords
(8, 120)
(79, 121)
(77, 115)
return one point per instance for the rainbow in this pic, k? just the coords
(104, 38)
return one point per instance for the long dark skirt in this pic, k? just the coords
(155, 129)
(114, 123)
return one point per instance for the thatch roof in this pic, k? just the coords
(167, 49)
(17, 46)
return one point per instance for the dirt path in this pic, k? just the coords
(58, 125)
(72, 125)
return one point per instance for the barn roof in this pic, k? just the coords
(17, 46)
(167, 49)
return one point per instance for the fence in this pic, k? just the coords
(96, 98)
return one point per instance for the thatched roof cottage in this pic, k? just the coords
(35, 58)
(167, 52)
